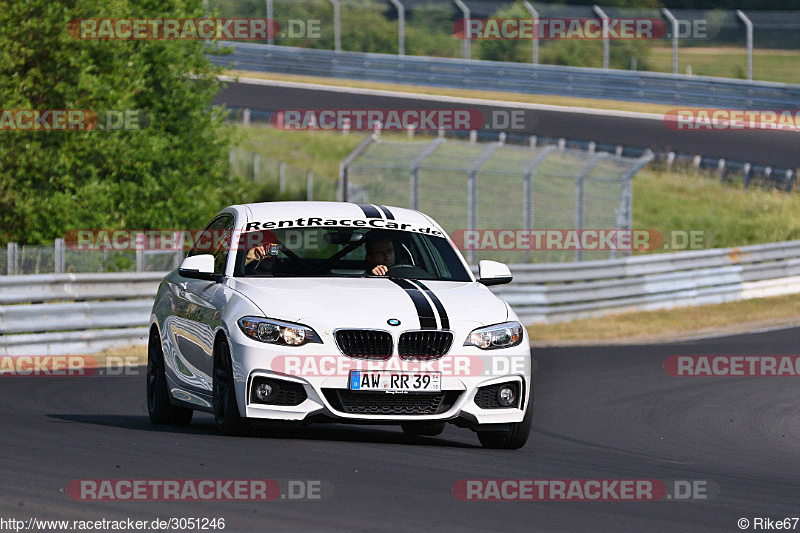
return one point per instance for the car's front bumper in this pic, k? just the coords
(323, 383)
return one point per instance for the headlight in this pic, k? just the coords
(503, 335)
(277, 332)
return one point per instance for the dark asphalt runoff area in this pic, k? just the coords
(779, 149)
(608, 412)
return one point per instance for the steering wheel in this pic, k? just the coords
(401, 270)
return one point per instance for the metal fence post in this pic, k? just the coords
(179, 250)
(337, 26)
(309, 185)
(603, 16)
(467, 41)
(341, 185)
(416, 163)
(527, 188)
(11, 258)
(256, 167)
(749, 25)
(344, 164)
(675, 32)
(472, 191)
(535, 40)
(140, 259)
(270, 36)
(246, 117)
(58, 256)
(580, 204)
(625, 212)
(747, 172)
(282, 176)
(401, 27)
(579, 213)
(472, 210)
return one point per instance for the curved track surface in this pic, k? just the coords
(780, 149)
(601, 412)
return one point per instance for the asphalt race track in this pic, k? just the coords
(601, 413)
(780, 149)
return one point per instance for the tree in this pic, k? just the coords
(171, 173)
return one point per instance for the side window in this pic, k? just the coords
(215, 239)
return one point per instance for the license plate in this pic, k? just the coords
(395, 381)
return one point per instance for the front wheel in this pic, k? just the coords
(511, 439)
(159, 408)
(226, 411)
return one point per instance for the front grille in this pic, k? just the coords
(486, 397)
(424, 344)
(365, 343)
(383, 403)
(285, 392)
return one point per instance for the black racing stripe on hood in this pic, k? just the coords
(370, 211)
(386, 212)
(427, 320)
(437, 302)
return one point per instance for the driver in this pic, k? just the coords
(261, 259)
(380, 253)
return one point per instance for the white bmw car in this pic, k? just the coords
(312, 312)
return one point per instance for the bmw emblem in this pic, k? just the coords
(393, 322)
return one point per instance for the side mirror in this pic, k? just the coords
(493, 273)
(199, 267)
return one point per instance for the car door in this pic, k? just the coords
(200, 310)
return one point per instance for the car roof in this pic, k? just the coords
(294, 210)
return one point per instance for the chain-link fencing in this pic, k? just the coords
(477, 188)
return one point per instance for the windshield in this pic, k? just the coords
(347, 252)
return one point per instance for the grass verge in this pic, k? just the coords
(730, 62)
(678, 323)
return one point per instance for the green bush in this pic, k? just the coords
(172, 173)
(574, 53)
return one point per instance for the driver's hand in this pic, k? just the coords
(380, 270)
(256, 253)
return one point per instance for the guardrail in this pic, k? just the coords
(516, 77)
(54, 314)
(556, 292)
(82, 313)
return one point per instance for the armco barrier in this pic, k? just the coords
(82, 313)
(53, 314)
(516, 77)
(556, 292)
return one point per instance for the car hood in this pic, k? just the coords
(364, 302)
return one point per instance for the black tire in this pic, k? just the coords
(160, 409)
(426, 429)
(226, 410)
(514, 438)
